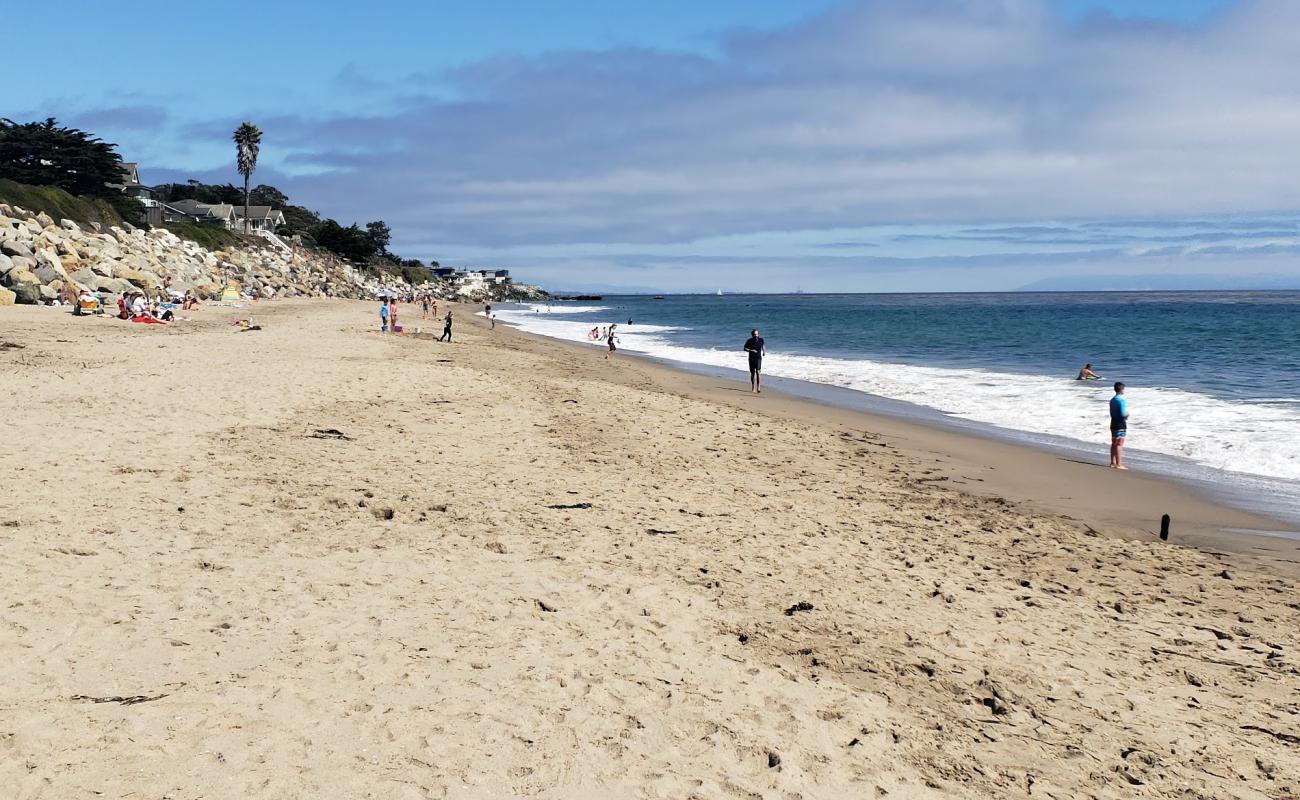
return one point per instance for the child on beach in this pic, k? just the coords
(1118, 427)
(383, 316)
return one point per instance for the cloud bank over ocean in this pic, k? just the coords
(976, 128)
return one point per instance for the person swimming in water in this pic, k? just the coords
(1086, 374)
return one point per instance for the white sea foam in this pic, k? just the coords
(1252, 438)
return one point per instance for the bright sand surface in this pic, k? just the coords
(204, 597)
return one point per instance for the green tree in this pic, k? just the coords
(202, 192)
(46, 154)
(248, 141)
(351, 242)
(380, 235)
(265, 195)
(301, 220)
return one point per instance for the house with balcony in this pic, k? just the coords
(132, 187)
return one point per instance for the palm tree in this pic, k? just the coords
(248, 138)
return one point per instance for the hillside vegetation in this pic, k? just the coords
(213, 237)
(58, 204)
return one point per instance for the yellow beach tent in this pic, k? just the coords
(231, 294)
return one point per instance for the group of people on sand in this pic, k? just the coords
(388, 322)
(136, 306)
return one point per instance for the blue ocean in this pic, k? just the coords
(1213, 377)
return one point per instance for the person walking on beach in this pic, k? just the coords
(383, 316)
(425, 306)
(609, 336)
(1118, 427)
(756, 349)
(446, 329)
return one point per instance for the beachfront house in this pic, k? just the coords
(222, 214)
(483, 277)
(260, 218)
(132, 187)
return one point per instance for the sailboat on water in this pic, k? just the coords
(719, 293)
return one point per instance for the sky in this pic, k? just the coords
(743, 145)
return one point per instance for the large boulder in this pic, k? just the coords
(44, 220)
(6, 263)
(49, 267)
(69, 225)
(84, 276)
(19, 274)
(7, 298)
(23, 262)
(15, 247)
(130, 273)
(25, 285)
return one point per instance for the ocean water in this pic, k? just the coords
(1213, 377)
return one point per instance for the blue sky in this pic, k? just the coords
(746, 144)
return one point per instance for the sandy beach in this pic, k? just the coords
(317, 561)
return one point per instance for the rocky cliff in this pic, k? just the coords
(41, 260)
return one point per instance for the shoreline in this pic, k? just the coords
(1127, 504)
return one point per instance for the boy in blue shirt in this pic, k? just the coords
(1118, 427)
(383, 316)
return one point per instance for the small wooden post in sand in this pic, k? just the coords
(1164, 528)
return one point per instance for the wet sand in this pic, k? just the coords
(314, 560)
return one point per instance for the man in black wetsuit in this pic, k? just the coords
(446, 329)
(755, 347)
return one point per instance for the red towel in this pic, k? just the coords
(149, 320)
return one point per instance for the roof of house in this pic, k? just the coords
(259, 212)
(194, 208)
(130, 176)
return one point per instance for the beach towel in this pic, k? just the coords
(148, 320)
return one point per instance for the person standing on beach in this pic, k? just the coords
(425, 306)
(446, 329)
(383, 316)
(1118, 427)
(610, 337)
(756, 349)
